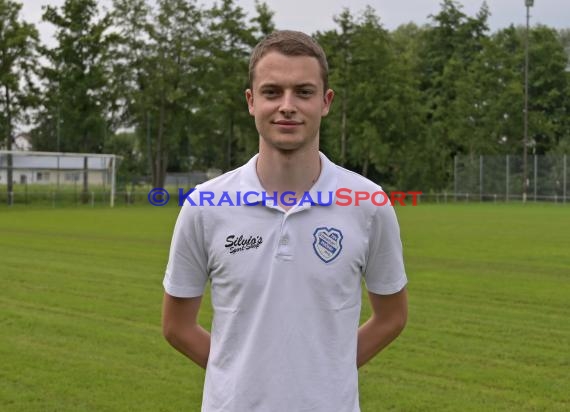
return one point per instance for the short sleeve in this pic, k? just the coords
(384, 272)
(186, 272)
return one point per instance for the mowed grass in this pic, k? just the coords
(488, 330)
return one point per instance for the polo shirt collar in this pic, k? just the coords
(323, 189)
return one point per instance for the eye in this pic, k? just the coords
(305, 92)
(269, 93)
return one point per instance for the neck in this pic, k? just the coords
(283, 171)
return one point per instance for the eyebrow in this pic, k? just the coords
(297, 86)
(307, 85)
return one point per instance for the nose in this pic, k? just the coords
(287, 107)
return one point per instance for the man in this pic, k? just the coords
(285, 277)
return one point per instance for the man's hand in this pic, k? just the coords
(389, 316)
(181, 329)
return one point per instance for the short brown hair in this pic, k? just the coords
(290, 43)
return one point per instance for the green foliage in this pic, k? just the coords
(230, 41)
(131, 164)
(263, 21)
(408, 101)
(18, 58)
(77, 100)
(18, 52)
(184, 70)
(163, 86)
(450, 85)
(548, 87)
(175, 71)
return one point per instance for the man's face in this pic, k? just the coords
(287, 100)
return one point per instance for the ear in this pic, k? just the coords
(249, 99)
(327, 101)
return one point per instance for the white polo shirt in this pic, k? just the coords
(285, 289)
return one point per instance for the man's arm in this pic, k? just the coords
(181, 329)
(389, 316)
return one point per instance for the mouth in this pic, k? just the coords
(287, 123)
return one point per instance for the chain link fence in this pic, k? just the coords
(502, 178)
(56, 180)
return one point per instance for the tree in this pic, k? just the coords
(131, 165)
(76, 94)
(377, 112)
(501, 63)
(373, 71)
(158, 60)
(18, 58)
(339, 47)
(449, 49)
(225, 79)
(408, 154)
(263, 22)
(548, 83)
(563, 145)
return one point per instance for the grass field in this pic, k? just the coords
(489, 325)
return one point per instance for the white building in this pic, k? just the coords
(56, 168)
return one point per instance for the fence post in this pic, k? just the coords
(480, 178)
(58, 169)
(113, 171)
(507, 199)
(564, 179)
(455, 177)
(535, 175)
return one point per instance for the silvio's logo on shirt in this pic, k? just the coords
(327, 243)
(235, 244)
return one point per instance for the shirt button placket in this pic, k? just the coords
(284, 246)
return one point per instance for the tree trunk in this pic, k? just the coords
(230, 140)
(365, 166)
(85, 191)
(343, 129)
(366, 162)
(149, 148)
(344, 109)
(10, 165)
(162, 172)
(160, 156)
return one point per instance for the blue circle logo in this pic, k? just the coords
(158, 197)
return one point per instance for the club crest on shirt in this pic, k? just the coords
(327, 243)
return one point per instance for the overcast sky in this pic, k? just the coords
(312, 15)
